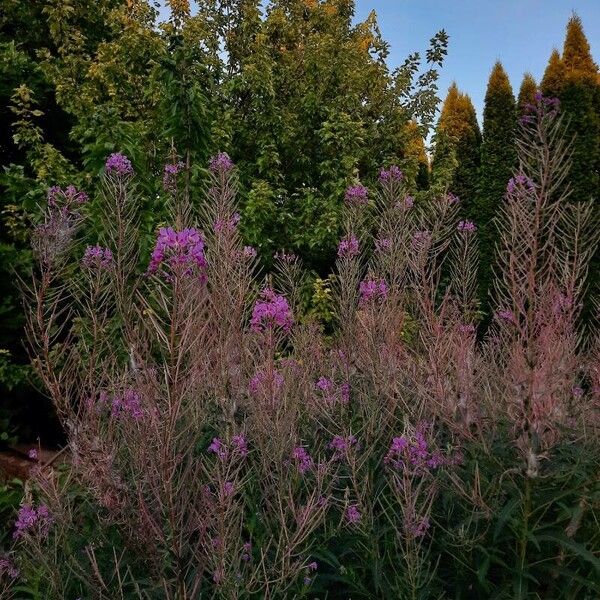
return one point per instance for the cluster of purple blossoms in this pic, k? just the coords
(30, 518)
(227, 225)
(577, 391)
(129, 403)
(68, 197)
(383, 245)
(8, 568)
(371, 290)
(392, 174)
(352, 514)
(271, 310)
(348, 247)
(451, 198)
(97, 258)
(466, 227)
(332, 393)
(505, 315)
(467, 329)
(342, 445)
(357, 195)
(118, 164)
(310, 568)
(179, 249)
(406, 203)
(266, 383)
(247, 552)
(170, 176)
(519, 182)
(544, 105)
(421, 239)
(32, 454)
(302, 459)
(220, 163)
(239, 447)
(416, 527)
(228, 489)
(415, 456)
(249, 252)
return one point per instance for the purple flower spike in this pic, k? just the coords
(220, 163)
(357, 195)
(348, 247)
(118, 164)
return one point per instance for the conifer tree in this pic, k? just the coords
(498, 160)
(527, 92)
(457, 149)
(574, 79)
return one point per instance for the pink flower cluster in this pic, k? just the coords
(118, 164)
(519, 182)
(332, 393)
(170, 176)
(270, 311)
(69, 196)
(97, 258)
(266, 383)
(302, 459)
(383, 245)
(352, 514)
(222, 225)
(372, 290)
(466, 227)
(415, 456)
(356, 195)
(392, 174)
(348, 247)
(30, 518)
(128, 403)
(220, 163)
(342, 445)
(8, 568)
(179, 249)
(238, 447)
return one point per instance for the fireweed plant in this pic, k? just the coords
(221, 446)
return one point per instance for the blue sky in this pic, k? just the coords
(519, 33)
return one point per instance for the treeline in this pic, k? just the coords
(476, 163)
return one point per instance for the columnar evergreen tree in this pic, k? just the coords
(527, 92)
(574, 79)
(498, 160)
(457, 147)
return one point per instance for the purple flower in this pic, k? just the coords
(408, 202)
(577, 391)
(421, 239)
(228, 488)
(247, 552)
(249, 252)
(312, 566)
(302, 459)
(352, 514)
(324, 384)
(417, 529)
(227, 225)
(466, 227)
(272, 310)
(505, 315)
(217, 447)
(240, 444)
(69, 196)
(8, 568)
(170, 176)
(371, 290)
(341, 445)
(519, 182)
(129, 403)
(391, 174)
(266, 383)
(356, 195)
(220, 163)
(97, 258)
(348, 247)
(383, 245)
(118, 164)
(452, 198)
(33, 454)
(179, 249)
(30, 518)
